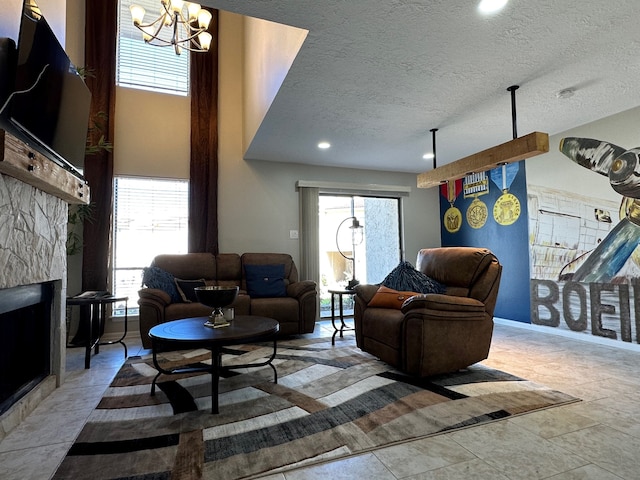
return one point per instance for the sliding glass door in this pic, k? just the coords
(360, 241)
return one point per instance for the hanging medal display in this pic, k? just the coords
(452, 217)
(476, 184)
(506, 210)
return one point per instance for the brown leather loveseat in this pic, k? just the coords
(435, 333)
(295, 310)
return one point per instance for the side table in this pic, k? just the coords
(95, 325)
(339, 294)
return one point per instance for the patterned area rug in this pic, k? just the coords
(329, 402)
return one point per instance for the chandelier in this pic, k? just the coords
(187, 22)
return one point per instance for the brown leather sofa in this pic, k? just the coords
(296, 312)
(435, 333)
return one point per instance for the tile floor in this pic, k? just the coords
(598, 438)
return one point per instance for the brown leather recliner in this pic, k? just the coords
(435, 333)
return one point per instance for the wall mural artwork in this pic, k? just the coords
(478, 211)
(585, 260)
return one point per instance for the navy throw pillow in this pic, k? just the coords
(265, 281)
(155, 277)
(405, 277)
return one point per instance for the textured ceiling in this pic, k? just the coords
(373, 77)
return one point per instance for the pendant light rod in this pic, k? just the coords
(433, 143)
(531, 145)
(513, 89)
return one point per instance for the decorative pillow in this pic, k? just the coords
(186, 289)
(406, 278)
(155, 277)
(388, 298)
(265, 281)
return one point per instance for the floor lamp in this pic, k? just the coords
(357, 236)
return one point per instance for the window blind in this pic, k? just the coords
(144, 66)
(150, 217)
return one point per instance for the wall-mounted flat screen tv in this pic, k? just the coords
(49, 105)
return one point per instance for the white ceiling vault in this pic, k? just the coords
(373, 77)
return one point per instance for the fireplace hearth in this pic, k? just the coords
(25, 340)
(33, 233)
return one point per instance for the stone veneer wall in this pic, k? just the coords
(33, 232)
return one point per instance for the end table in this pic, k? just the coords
(339, 294)
(94, 327)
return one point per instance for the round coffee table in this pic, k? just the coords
(190, 333)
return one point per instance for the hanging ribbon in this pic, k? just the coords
(504, 176)
(451, 190)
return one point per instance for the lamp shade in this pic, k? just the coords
(176, 5)
(204, 17)
(194, 9)
(137, 14)
(147, 33)
(204, 39)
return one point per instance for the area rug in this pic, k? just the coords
(329, 402)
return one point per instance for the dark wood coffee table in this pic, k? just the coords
(190, 333)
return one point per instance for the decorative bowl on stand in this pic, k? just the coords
(216, 297)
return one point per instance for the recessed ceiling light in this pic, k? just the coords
(324, 145)
(428, 156)
(491, 6)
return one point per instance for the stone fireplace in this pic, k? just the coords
(33, 230)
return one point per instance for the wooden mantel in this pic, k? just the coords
(20, 161)
(518, 149)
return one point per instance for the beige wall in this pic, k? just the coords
(151, 134)
(269, 51)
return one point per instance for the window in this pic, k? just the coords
(148, 67)
(150, 217)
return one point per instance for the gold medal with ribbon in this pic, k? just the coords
(453, 216)
(506, 210)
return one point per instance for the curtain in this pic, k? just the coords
(309, 234)
(203, 176)
(100, 57)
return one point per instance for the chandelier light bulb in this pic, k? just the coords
(194, 10)
(137, 14)
(147, 33)
(176, 5)
(204, 17)
(204, 39)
